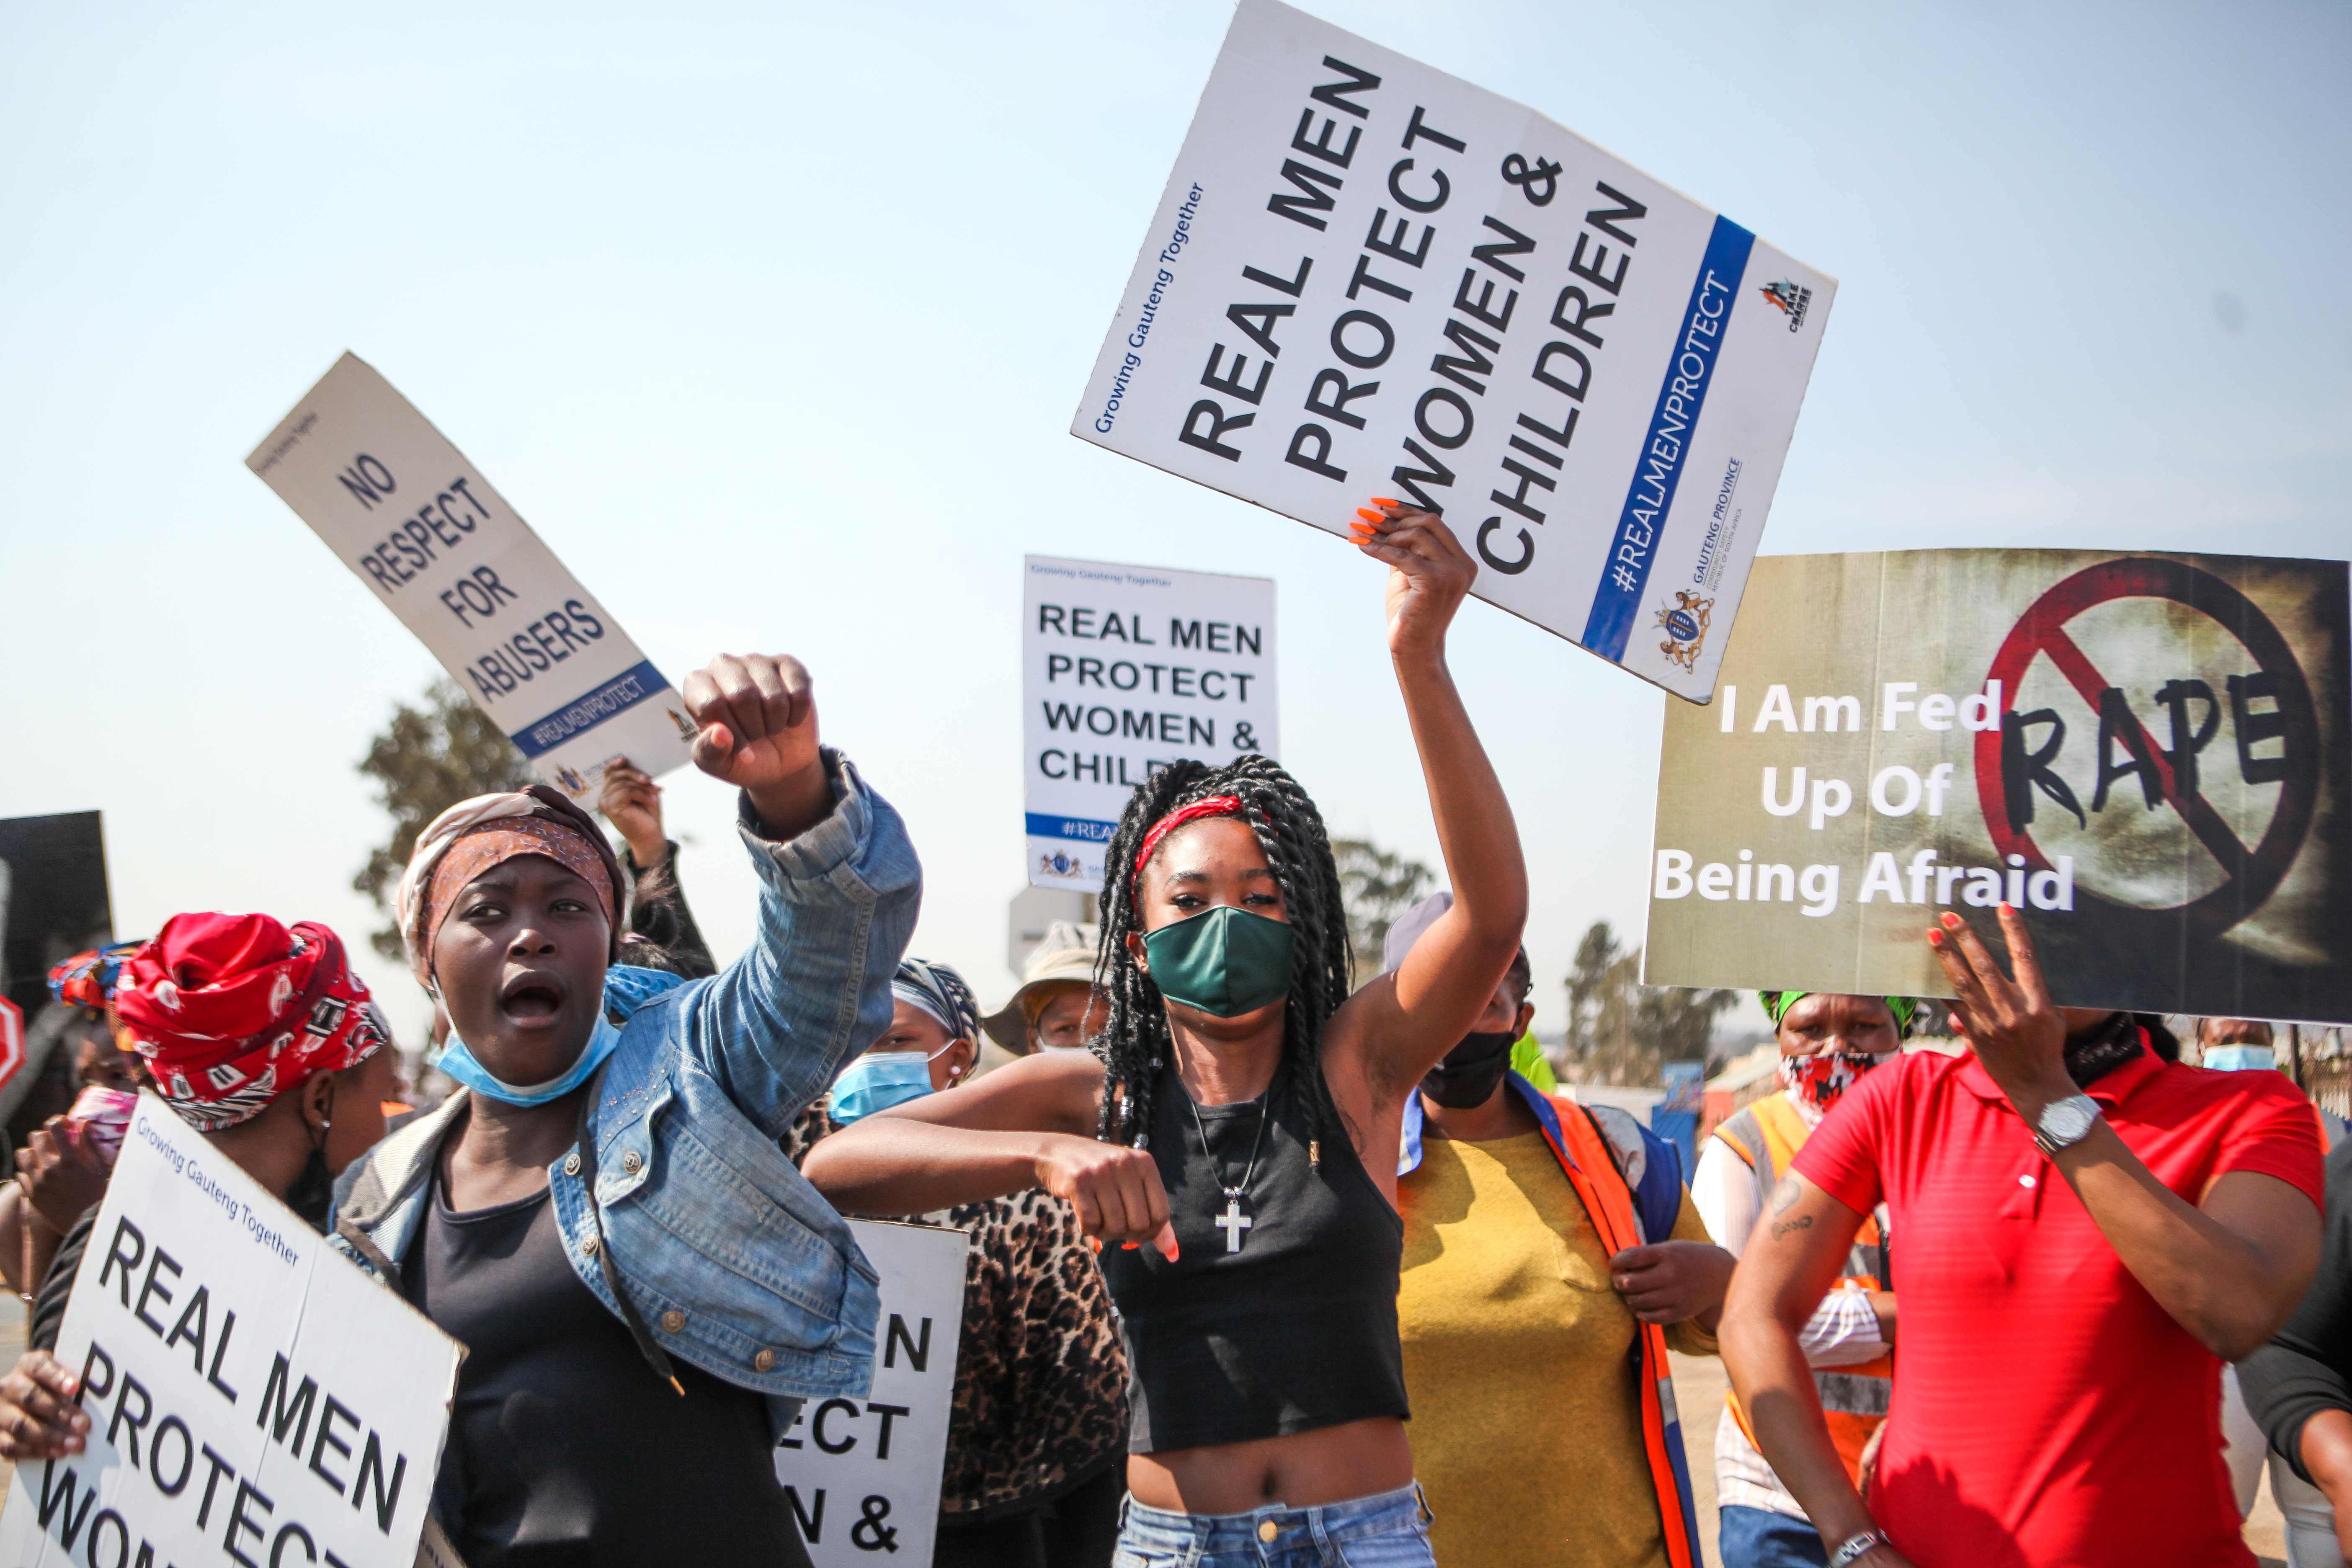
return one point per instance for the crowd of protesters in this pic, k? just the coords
(1269, 1267)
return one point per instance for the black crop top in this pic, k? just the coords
(1297, 1330)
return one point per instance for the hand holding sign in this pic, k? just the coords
(1428, 573)
(756, 720)
(38, 1417)
(2018, 1032)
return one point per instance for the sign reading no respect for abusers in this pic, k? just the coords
(1124, 669)
(2145, 754)
(253, 1396)
(417, 523)
(1367, 277)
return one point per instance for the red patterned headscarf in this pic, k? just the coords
(231, 1011)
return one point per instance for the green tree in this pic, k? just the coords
(1377, 886)
(425, 761)
(1620, 1030)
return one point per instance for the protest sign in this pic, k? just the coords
(249, 1392)
(1368, 277)
(429, 536)
(1123, 670)
(862, 1476)
(53, 898)
(2145, 754)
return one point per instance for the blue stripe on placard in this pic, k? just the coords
(1043, 827)
(1658, 467)
(584, 712)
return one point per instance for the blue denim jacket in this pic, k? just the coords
(728, 1254)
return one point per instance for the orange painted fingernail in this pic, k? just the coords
(1127, 1246)
(1386, 501)
(1951, 921)
(1935, 937)
(2007, 907)
(1368, 515)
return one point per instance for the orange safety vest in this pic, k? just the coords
(1854, 1399)
(1591, 1170)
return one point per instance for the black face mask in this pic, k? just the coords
(1470, 1072)
(2109, 1045)
(313, 1196)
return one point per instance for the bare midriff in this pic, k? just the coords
(1305, 1470)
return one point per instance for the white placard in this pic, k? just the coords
(1123, 670)
(249, 1392)
(862, 1476)
(417, 523)
(1367, 277)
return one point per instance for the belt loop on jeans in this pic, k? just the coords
(1428, 1517)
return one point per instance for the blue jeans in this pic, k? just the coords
(1389, 1530)
(1759, 1538)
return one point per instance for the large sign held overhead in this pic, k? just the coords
(433, 541)
(1367, 277)
(1123, 670)
(2145, 754)
(862, 1476)
(248, 1393)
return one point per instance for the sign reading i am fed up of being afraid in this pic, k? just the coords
(2145, 754)
(417, 523)
(253, 1397)
(1367, 278)
(1123, 670)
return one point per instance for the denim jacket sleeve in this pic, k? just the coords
(837, 906)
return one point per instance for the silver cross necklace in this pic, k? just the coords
(1232, 1222)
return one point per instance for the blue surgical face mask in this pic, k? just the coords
(2240, 1059)
(880, 1080)
(459, 1063)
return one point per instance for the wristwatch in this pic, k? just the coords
(2066, 1122)
(1856, 1547)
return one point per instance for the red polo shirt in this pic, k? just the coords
(2046, 1410)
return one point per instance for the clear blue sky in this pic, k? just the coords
(772, 319)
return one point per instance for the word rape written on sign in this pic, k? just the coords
(862, 1476)
(252, 1398)
(2145, 754)
(416, 522)
(1370, 278)
(1123, 670)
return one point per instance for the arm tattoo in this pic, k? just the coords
(1781, 1227)
(1787, 1193)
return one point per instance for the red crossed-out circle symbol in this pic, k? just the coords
(2250, 875)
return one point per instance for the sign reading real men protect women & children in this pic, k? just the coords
(435, 544)
(1367, 278)
(253, 1396)
(2145, 754)
(1123, 670)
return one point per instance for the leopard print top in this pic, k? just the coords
(1041, 1375)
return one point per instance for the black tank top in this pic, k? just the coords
(1297, 1330)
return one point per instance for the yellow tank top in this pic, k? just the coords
(1503, 1276)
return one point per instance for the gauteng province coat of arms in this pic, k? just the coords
(1686, 623)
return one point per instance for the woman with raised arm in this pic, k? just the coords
(1233, 1137)
(2087, 1230)
(581, 1216)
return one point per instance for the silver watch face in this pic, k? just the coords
(2067, 1120)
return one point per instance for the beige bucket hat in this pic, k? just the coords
(1066, 956)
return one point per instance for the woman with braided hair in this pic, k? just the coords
(1232, 1138)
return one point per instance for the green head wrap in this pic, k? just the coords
(1777, 1003)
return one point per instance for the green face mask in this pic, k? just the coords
(1227, 962)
